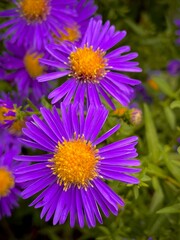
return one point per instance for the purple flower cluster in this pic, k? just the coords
(10, 190)
(173, 66)
(63, 41)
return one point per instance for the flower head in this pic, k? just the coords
(69, 177)
(93, 69)
(174, 67)
(32, 23)
(9, 188)
(23, 67)
(73, 32)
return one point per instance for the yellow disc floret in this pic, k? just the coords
(3, 111)
(32, 65)
(34, 10)
(16, 127)
(88, 65)
(6, 182)
(75, 163)
(72, 34)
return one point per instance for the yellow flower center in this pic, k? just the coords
(32, 65)
(34, 10)
(72, 34)
(3, 111)
(16, 127)
(88, 65)
(75, 163)
(6, 181)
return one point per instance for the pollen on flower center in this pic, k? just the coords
(75, 163)
(32, 65)
(6, 181)
(72, 34)
(16, 127)
(34, 10)
(3, 111)
(88, 65)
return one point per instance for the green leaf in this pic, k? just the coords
(135, 27)
(170, 116)
(105, 230)
(178, 149)
(171, 209)
(175, 104)
(174, 170)
(164, 86)
(151, 135)
(136, 192)
(158, 196)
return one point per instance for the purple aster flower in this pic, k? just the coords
(93, 71)
(32, 23)
(174, 67)
(25, 67)
(73, 32)
(2, 73)
(9, 188)
(9, 142)
(69, 177)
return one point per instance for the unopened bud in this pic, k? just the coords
(135, 116)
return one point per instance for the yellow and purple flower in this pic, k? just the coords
(70, 177)
(9, 189)
(93, 70)
(75, 31)
(23, 67)
(32, 23)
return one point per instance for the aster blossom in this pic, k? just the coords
(173, 67)
(22, 67)
(9, 189)
(73, 32)
(92, 69)
(69, 177)
(35, 21)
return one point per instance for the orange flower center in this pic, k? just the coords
(6, 182)
(72, 34)
(88, 65)
(75, 163)
(3, 111)
(34, 10)
(16, 127)
(32, 65)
